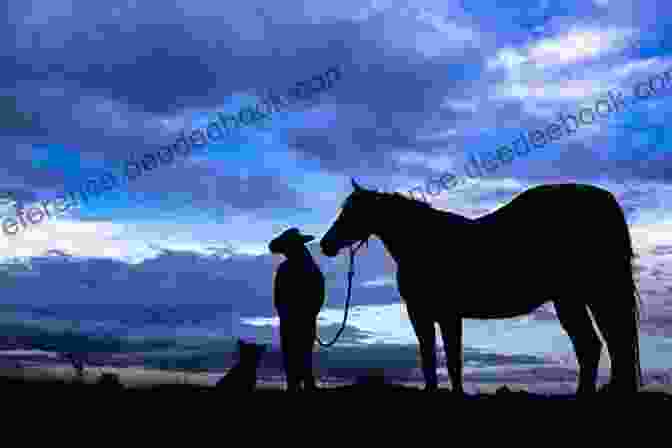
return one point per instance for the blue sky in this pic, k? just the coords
(424, 84)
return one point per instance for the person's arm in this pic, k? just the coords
(317, 286)
(323, 290)
(277, 284)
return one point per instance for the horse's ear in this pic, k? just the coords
(355, 185)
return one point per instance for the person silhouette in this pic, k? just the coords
(299, 292)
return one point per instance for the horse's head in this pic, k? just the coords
(353, 224)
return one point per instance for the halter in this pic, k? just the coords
(351, 273)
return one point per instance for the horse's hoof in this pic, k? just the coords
(586, 391)
(503, 390)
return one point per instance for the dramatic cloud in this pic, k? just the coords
(424, 85)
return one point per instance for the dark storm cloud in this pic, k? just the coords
(69, 62)
(375, 124)
(187, 60)
(206, 187)
(143, 66)
(14, 121)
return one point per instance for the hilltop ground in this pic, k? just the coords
(31, 382)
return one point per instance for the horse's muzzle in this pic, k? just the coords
(328, 251)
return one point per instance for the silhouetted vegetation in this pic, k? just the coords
(109, 383)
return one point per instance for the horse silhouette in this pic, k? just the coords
(569, 244)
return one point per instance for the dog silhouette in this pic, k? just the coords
(243, 376)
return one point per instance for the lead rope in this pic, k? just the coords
(351, 273)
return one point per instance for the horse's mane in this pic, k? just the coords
(411, 204)
(396, 198)
(400, 198)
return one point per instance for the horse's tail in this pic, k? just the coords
(640, 379)
(629, 256)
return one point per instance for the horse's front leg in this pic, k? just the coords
(451, 333)
(426, 334)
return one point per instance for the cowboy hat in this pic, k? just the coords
(288, 238)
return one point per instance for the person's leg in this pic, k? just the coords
(311, 333)
(288, 353)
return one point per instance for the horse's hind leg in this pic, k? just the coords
(426, 334)
(451, 333)
(578, 325)
(617, 325)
